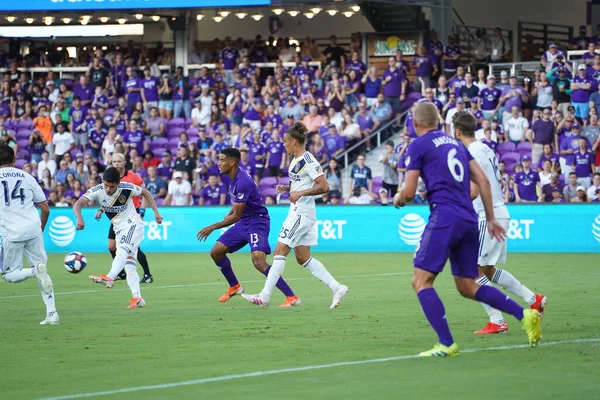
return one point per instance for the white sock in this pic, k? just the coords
(274, 274)
(318, 271)
(48, 300)
(512, 284)
(495, 315)
(133, 279)
(117, 265)
(19, 275)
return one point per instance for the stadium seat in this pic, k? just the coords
(188, 122)
(524, 152)
(285, 180)
(269, 182)
(513, 156)
(23, 153)
(27, 124)
(160, 142)
(507, 147)
(110, 112)
(377, 180)
(192, 131)
(524, 146)
(174, 132)
(159, 201)
(173, 142)
(23, 143)
(268, 192)
(20, 162)
(175, 123)
(23, 134)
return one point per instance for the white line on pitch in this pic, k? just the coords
(297, 369)
(21, 296)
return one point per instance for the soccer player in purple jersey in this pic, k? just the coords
(252, 226)
(447, 168)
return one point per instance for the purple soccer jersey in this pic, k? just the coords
(581, 95)
(97, 136)
(229, 58)
(451, 51)
(84, 94)
(77, 116)
(583, 163)
(212, 196)
(150, 88)
(135, 138)
(249, 168)
(490, 98)
(553, 158)
(254, 226)
(424, 65)
(571, 143)
(276, 150)
(451, 232)
(394, 87)
(133, 97)
(205, 81)
(526, 182)
(275, 119)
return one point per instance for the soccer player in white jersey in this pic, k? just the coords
(116, 199)
(491, 251)
(22, 230)
(299, 228)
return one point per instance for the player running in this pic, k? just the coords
(116, 198)
(22, 230)
(118, 161)
(299, 231)
(252, 226)
(451, 232)
(492, 251)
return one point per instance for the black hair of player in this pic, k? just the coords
(465, 122)
(7, 155)
(298, 132)
(232, 153)
(111, 175)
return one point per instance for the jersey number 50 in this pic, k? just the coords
(455, 166)
(17, 193)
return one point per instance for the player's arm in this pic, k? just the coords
(231, 218)
(474, 191)
(45, 213)
(409, 188)
(282, 189)
(147, 197)
(485, 191)
(77, 210)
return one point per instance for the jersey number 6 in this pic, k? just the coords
(455, 166)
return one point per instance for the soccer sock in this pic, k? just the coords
(273, 276)
(495, 315)
(436, 314)
(113, 253)
(19, 276)
(281, 285)
(143, 262)
(117, 265)
(48, 299)
(495, 298)
(512, 284)
(224, 265)
(133, 279)
(320, 272)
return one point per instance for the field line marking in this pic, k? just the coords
(297, 369)
(21, 296)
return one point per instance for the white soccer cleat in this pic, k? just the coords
(51, 319)
(338, 296)
(256, 299)
(41, 273)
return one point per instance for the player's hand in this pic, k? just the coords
(158, 219)
(496, 230)
(294, 197)
(204, 233)
(80, 225)
(398, 201)
(280, 189)
(98, 214)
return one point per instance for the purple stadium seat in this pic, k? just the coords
(523, 146)
(19, 163)
(507, 147)
(523, 152)
(268, 192)
(27, 124)
(23, 143)
(173, 142)
(508, 157)
(11, 124)
(23, 153)
(174, 131)
(284, 181)
(175, 122)
(159, 201)
(112, 102)
(187, 123)
(269, 182)
(510, 170)
(160, 142)
(110, 112)
(23, 134)
(377, 180)
(192, 130)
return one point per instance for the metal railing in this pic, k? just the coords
(544, 34)
(517, 69)
(64, 70)
(212, 66)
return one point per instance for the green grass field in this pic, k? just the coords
(185, 334)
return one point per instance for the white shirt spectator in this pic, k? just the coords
(287, 55)
(516, 128)
(591, 192)
(448, 121)
(364, 198)
(179, 192)
(108, 147)
(479, 135)
(202, 116)
(337, 120)
(352, 131)
(545, 178)
(50, 165)
(62, 142)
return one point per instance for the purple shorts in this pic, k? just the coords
(447, 236)
(254, 231)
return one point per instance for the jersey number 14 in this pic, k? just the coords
(17, 193)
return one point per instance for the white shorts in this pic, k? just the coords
(12, 253)
(491, 251)
(129, 239)
(298, 230)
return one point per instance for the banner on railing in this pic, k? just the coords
(533, 228)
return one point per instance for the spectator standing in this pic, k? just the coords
(583, 163)
(500, 48)
(361, 175)
(165, 92)
(541, 133)
(389, 159)
(513, 95)
(489, 98)
(425, 68)
(181, 95)
(451, 57)
(228, 62)
(561, 89)
(515, 127)
(334, 52)
(63, 142)
(149, 92)
(133, 88)
(213, 194)
(580, 95)
(469, 91)
(527, 183)
(481, 49)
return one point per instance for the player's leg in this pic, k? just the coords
(36, 256)
(12, 262)
(259, 259)
(505, 279)
(143, 260)
(112, 248)
(121, 255)
(274, 274)
(229, 242)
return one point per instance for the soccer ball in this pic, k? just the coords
(75, 262)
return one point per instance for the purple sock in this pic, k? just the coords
(495, 298)
(436, 314)
(225, 266)
(282, 285)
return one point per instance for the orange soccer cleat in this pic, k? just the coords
(291, 301)
(136, 302)
(540, 303)
(232, 291)
(490, 329)
(103, 279)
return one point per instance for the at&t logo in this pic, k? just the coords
(411, 228)
(596, 228)
(62, 231)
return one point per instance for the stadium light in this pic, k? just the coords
(156, 18)
(199, 17)
(88, 17)
(316, 10)
(241, 14)
(348, 13)
(224, 13)
(278, 11)
(48, 20)
(10, 18)
(139, 16)
(217, 18)
(293, 13)
(257, 17)
(30, 20)
(332, 11)
(121, 20)
(104, 19)
(355, 8)
(84, 21)
(67, 20)
(309, 14)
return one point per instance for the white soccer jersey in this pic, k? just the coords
(118, 207)
(19, 219)
(489, 163)
(303, 171)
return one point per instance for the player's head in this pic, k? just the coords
(295, 137)
(7, 156)
(464, 125)
(111, 178)
(228, 158)
(425, 118)
(118, 161)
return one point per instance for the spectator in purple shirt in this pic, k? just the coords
(489, 98)
(276, 155)
(451, 57)
(165, 168)
(356, 65)
(149, 91)
(96, 139)
(84, 91)
(118, 76)
(335, 143)
(181, 95)
(541, 133)
(135, 138)
(77, 126)
(228, 61)
(213, 194)
(580, 96)
(246, 165)
(394, 85)
(372, 86)
(583, 163)
(132, 88)
(425, 68)
(549, 155)
(257, 152)
(435, 48)
(512, 96)
(569, 146)
(527, 183)
(458, 81)
(365, 119)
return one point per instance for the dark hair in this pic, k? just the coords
(298, 132)
(232, 153)
(7, 155)
(111, 175)
(466, 122)
(572, 173)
